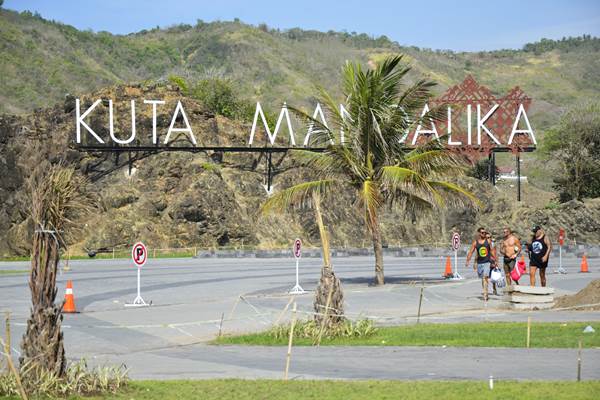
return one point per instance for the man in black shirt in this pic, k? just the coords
(483, 260)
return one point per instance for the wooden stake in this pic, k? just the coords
(579, 363)
(284, 310)
(221, 324)
(420, 302)
(289, 352)
(528, 331)
(11, 365)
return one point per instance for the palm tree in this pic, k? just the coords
(56, 201)
(373, 161)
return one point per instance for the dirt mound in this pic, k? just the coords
(588, 295)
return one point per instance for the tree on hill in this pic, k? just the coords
(575, 143)
(373, 162)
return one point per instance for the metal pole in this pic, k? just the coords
(490, 167)
(493, 168)
(138, 291)
(456, 263)
(269, 171)
(560, 267)
(518, 176)
(297, 278)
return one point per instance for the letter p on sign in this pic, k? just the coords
(139, 254)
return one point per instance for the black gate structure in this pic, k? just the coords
(137, 153)
(462, 98)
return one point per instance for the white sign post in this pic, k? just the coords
(297, 252)
(455, 246)
(561, 242)
(139, 255)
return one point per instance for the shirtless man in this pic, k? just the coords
(510, 249)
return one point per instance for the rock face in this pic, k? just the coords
(211, 199)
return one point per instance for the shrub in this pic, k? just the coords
(310, 329)
(78, 380)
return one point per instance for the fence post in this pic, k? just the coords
(528, 331)
(579, 363)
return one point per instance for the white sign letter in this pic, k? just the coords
(80, 118)
(425, 131)
(154, 103)
(111, 126)
(272, 136)
(318, 112)
(481, 122)
(450, 141)
(187, 128)
(528, 131)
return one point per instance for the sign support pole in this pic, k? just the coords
(297, 289)
(455, 246)
(561, 240)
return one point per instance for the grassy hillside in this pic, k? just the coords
(43, 60)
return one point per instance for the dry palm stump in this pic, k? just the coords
(520, 297)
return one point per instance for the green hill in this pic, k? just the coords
(43, 60)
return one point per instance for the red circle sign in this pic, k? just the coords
(139, 254)
(297, 248)
(561, 236)
(455, 241)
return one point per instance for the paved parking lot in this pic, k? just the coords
(189, 297)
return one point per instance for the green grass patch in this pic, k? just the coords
(13, 271)
(484, 334)
(15, 258)
(324, 390)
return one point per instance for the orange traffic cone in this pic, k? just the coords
(69, 306)
(584, 264)
(448, 272)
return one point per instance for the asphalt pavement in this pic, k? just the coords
(190, 297)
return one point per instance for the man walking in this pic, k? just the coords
(539, 253)
(483, 259)
(510, 249)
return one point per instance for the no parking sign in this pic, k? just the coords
(139, 254)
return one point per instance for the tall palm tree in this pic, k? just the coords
(373, 160)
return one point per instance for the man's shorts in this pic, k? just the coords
(538, 264)
(483, 270)
(509, 264)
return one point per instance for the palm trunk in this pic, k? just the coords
(329, 297)
(377, 248)
(42, 345)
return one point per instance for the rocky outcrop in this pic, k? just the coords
(212, 199)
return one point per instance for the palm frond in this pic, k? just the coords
(371, 199)
(295, 195)
(455, 195)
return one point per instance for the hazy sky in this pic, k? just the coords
(456, 25)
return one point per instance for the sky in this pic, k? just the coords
(457, 25)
